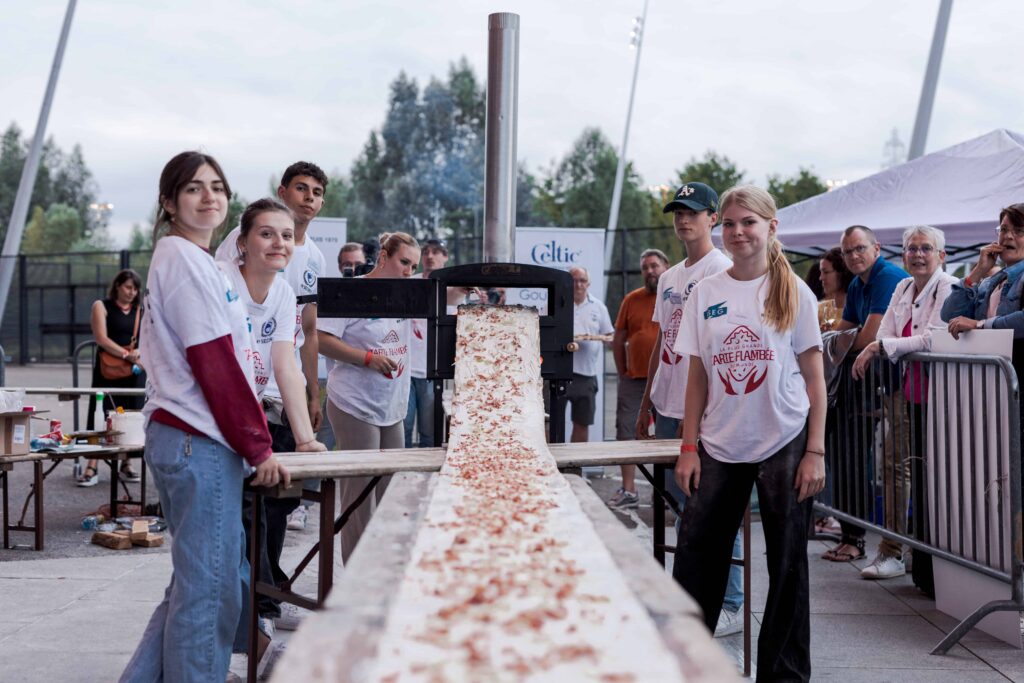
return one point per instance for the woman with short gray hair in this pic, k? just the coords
(914, 311)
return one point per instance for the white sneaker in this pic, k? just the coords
(297, 519)
(729, 622)
(291, 617)
(884, 567)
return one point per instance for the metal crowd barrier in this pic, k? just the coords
(926, 452)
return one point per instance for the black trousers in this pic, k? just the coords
(272, 530)
(710, 520)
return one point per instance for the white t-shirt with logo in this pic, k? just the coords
(359, 391)
(668, 388)
(270, 321)
(189, 301)
(418, 343)
(590, 317)
(757, 398)
(301, 274)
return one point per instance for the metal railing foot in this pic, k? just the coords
(972, 620)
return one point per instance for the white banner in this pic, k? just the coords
(330, 234)
(565, 248)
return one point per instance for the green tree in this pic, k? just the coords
(336, 196)
(422, 172)
(56, 229)
(718, 171)
(61, 179)
(140, 240)
(577, 191)
(788, 191)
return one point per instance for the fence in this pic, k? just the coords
(51, 298)
(927, 453)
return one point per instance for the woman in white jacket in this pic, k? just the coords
(913, 313)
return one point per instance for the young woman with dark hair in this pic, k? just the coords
(368, 388)
(204, 431)
(115, 323)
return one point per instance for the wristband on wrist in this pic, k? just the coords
(368, 358)
(967, 281)
(687, 448)
(811, 450)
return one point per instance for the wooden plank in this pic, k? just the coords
(334, 464)
(677, 616)
(340, 642)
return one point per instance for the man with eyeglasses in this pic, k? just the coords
(875, 280)
(867, 300)
(590, 319)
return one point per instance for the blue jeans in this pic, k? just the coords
(420, 411)
(189, 636)
(667, 428)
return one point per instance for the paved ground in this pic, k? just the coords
(75, 612)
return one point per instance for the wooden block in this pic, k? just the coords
(140, 529)
(113, 541)
(149, 540)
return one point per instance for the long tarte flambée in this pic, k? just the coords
(508, 580)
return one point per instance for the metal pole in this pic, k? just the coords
(620, 169)
(500, 134)
(931, 79)
(16, 225)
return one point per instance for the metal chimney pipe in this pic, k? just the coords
(500, 134)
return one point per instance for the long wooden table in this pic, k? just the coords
(113, 456)
(339, 643)
(332, 465)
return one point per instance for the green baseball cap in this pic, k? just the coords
(696, 196)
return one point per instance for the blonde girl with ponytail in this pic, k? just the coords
(756, 381)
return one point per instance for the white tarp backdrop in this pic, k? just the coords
(565, 248)
(330, 234)
(960, 189)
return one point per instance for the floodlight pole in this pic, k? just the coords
(931, 79)
(16, 225)
(620, 169)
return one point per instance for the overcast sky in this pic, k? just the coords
(774, 85)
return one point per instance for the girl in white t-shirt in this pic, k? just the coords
(203, 426)
(368, 389)
(266, 241)
(756, 379)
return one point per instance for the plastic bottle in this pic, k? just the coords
(99, 421)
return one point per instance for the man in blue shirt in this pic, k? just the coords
(867, 298)
(868, 295)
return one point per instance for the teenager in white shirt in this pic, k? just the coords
(265, 242)
(204, 424)
(694, 215)
(368, 389)
(756, 399)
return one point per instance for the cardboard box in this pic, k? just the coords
(15, 434)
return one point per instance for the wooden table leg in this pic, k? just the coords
(658, 501)
(39, 504)
(255, 546)
(7, 513)
(114, 479)
(325, 574)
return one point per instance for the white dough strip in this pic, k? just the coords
(508, 580)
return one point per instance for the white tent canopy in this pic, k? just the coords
(960, 189)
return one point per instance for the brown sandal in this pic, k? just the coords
(846, 551)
